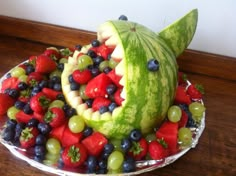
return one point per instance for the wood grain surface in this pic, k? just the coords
(215, 154)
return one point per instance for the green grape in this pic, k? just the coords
(51, 159)
(23, 78)
(63, 60)
(104, 64)
(53, 146)
(116, 143)
(112, 63)
(56, 103)
(197, 109)
(111, 172)
(174, 113)
(11, 112)
(185, 136)
(151, 137)
(55, 73)
(17, 72)
(82, 92)
(84, 61)
(76, 124)
(115, 160)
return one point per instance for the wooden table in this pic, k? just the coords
(215, 154)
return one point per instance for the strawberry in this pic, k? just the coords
(181, 96)
(69, 138)
(74, 155)
(10, 83)
(184, 119)
(115, 78)
(195, 91)
(65, 53)
(139, 149)
(82, 77)
(5, 102)
(23, 117)
(40, 102)
(45, 64)
(32, 60)
(157, 150)
(28, 137)
(34, 78)
(97, 86)
(182, 78)
(55, 117)
(99, 102)
(169, 132)
(118, 99)
(52, 52)
(50, 93)
(95, 143)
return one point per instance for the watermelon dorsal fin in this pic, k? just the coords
(179, 34)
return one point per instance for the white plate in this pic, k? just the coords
(142, 166)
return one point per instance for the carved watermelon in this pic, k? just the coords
(147, 94)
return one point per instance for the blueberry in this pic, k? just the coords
(60, 163)
(91, 53)
(14, 93)
(129, 166)
(153, 65)
(89, 102)
(27, 109)
(78, 47)
(112, 106)
(108, 148)
(95, 71)
(87, 131)
(19, 104)
(39, 150)
(92, 163)
(40, 139)
(110, 89)
(70, 112)
(74, 86)
(70, 79)
(57, 87)
(135, 135)
(103, 109)
(43, 83)
(32, 122)
(56, 79)
(8, 134)
(102, 164)
(123, 17)
(44, 128)
(60, 66)
(107, 70)
(97, 60)
(60, 97)
(66, 107)
(11, 123)
(95, 43)
(29, 69)
(39, 158)
(125, 144)
(102, 171)
(22, 86)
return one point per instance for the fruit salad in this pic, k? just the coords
(72, 108)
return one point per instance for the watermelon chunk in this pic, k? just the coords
(169, 133)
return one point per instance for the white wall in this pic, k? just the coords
(216, 31)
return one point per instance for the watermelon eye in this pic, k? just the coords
(153, 65)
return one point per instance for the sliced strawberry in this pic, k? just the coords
(117, 97)
(139, 149)
(28, 137)
(50, 93)
(5, 102)
(10, 83)
(168, 132)
(55, 117)
(95, 143)
(181, 96)
(45, 64)
(23, 117)
(82, 77)
(40, 102)
(115, 78)
(97, 86)
(99, 102)
(69, 138)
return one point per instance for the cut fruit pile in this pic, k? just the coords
(102, 107)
